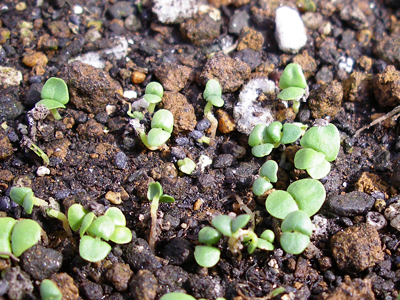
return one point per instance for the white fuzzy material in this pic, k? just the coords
(174, 11)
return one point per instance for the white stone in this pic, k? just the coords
(376, 219)
(392, 211)
(130, 94)
(345, 63)
(249, 112)
(395, 223)
(78, 9)
(10, 76)
(204, 161)
(290, 32)
(174, 11)
(42, 171)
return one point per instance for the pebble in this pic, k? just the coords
(178, 152)
(34, 59)
(173, 11)
(226, 123)
(5, 203)
(132, 23)
(18, 281)
(181, 141)
(92, 291)
(392, 214)
(121, 9)
(350, 204)
(249, 56)
(42, 171)
(6, 148)
(137, 77)
(239, 20)
(139, 255)
(113, 197)
(376, 219)
(10, 76)
(77, 9)
(230, 147)
(143, 286)
(21, 6)
(223, 161)
(386, 87)
(119, 275)
(203, 124)
(290, 32)
(250, 39)
(121, 160)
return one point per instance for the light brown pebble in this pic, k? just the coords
(226, 123)
(114, 197)
(21, 6)
(198, 204)
(138, 77)
(35, 58)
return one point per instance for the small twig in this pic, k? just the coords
(12, 256)
(395, 111)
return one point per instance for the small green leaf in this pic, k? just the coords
(50, 104)
(55, 89)
(294, 242)
(102, 227)
(260, 186)
(291, 132)
(320, 171)
(216, 101)
(25, 234)
(309, 195)
(76, 213)
(213, 88)
(93, 249)
(259, 136)
(121, 235)
(292, 76)
(262, 150)
(280, 203)
(6, 226)
(150, 98)
(297, 221)
(157, 137)
(291, 93)
(307, 158)
(28, 202)
(206, 256)
(209, 235)
(264, 245)
(167, 199)
(252, 245)
(269, 170)
(239, 222)
(274, 131)
(86, 222)
(177, 296)
(49, 290)
(116, 216)
(155, 191)
(17, 194)
(186, 165)
(163, 119)
(154, 88)
(223, 224)
(268, 235)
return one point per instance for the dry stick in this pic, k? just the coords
(395, 111)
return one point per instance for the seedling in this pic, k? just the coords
(54, 95)
(110, 227)
(156, 195)
(49, 290)
(212, 94)
(177, 296)
(17, 236)
(296, 232)
(321, 146)
(186, 165)
(153, 94)
(268, 173)
(162, 125)
(39, 152)
(293, 85)
(263, 138)
(25, 197)
(208, 256)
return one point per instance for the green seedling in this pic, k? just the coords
(177, 296)
(25, 197)
(186, 165)
(49, 290)
(134, 114)
(156, 195)
(268, 173)
(60, 216)
(153, 94)
(296, 232)
(54, 95)
(293, 85)
(208, 256)
(39, 152)
(321, 146)
(307, 195)
(264, 138)
(17, 236)
(212, 94)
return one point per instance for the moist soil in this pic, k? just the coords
(97, 160)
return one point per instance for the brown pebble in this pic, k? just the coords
(35, 58)
(6, 175)
(198, 204)
(113, 197)
(226, 123)
(137, 77)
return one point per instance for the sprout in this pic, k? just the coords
(49, 290)
(212, 94)
(25, 234)
(39, 152)
(54, 95)
(186, 165)
(153, 94)
(268, 173)
(24, 196)
(296, 232)
(177, 296)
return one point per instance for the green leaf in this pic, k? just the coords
(280, 203)
(294, 242)
(274, 131)
(307, 158)
(297, 221)
(264, 245)
(239, 222)
(163, 119)
(213, 88)
(291, 132)
(167, 199)
(155, 191)
(309, 195)
(320, 171)
(76, 213)
(17, 194)
(324, 139)
(269, 170)
(121, 235)
(102, 227)
(186, 165)
(6, 226)
(55, 89)
(116, 216)
(50, 104)
(223, 224)
(157, 137)
(154, 88)
(260, 186)
(25, 234)
(252, 245)
(49, 290)
(28, 202)
(216, 101)
(262, 150)
(209, 235)
(92, 249)
(291, 93)
(86, 222)
(292, 76)
(259, 136)
(268, 235)
(206, 256)
(150, 98)
(177, 296)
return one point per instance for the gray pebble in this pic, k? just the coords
(376, 219)
(195, 134)
(75, 19)
(121, 9)
(3, 287)
(92, 291)
(61, 195)
(5, 203)
(180, 141)
(178, 153)
(121, 160)
(132, 23)
(237, 151)
(350, 204)
(203, 124)
(139, 255)
(35, 79)
(239, 20)
(250, 57)
(223, 161)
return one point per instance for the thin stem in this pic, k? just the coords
(153, 228)
(151, 107)
(12, 256)
(209, 115)
(39, 152)
(296, 106)
(60, 216)
(55, 113)
(143, 137)
(39, 202)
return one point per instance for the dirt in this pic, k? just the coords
(96, 159)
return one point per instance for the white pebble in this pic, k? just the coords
(346, 64)
(78, 9)
(130, 94)
(376, 219)
(42, 171)
(290, 32)
(392, 211)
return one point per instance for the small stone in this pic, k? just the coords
(239, 20)
(359, 289)
(200, 30)
(250, 39)
(203, 124)
(19, 283)
(121, 9)
(197, 205)
(34, 59)
(326, 100)
(143, 286)
(139, 255)
(386, 87)
(173, 77)
(6, 148)
(354, 16)
(132, 23)
(226, 123)
(357, 87)
(42, 171)
(66, 286)
(350, 204)
(290, 32)
(113, 197)
(312, 20)
(230, 147)
(173, 11)
(376, 219)
(21, 6)
(121, 160)
(92, 291)
(137, 77)
(119, 275)
(77, 9)
(250, 57)
(10, 76)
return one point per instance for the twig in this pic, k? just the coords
(395, 111)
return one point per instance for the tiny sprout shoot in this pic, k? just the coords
(212, 94)
(60, 216)
(177, 296)
(186, 165)
(24, 196)
(155, 194)
(49, 290)
(39, 152)
(134, 114)
(54, 95)
(153, 94)
(268, 173)
(293, 85)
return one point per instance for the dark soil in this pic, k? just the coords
(97, 160)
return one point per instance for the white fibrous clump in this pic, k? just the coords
(320, 228)
(249, 112)
(290, 32)
(174, 11)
